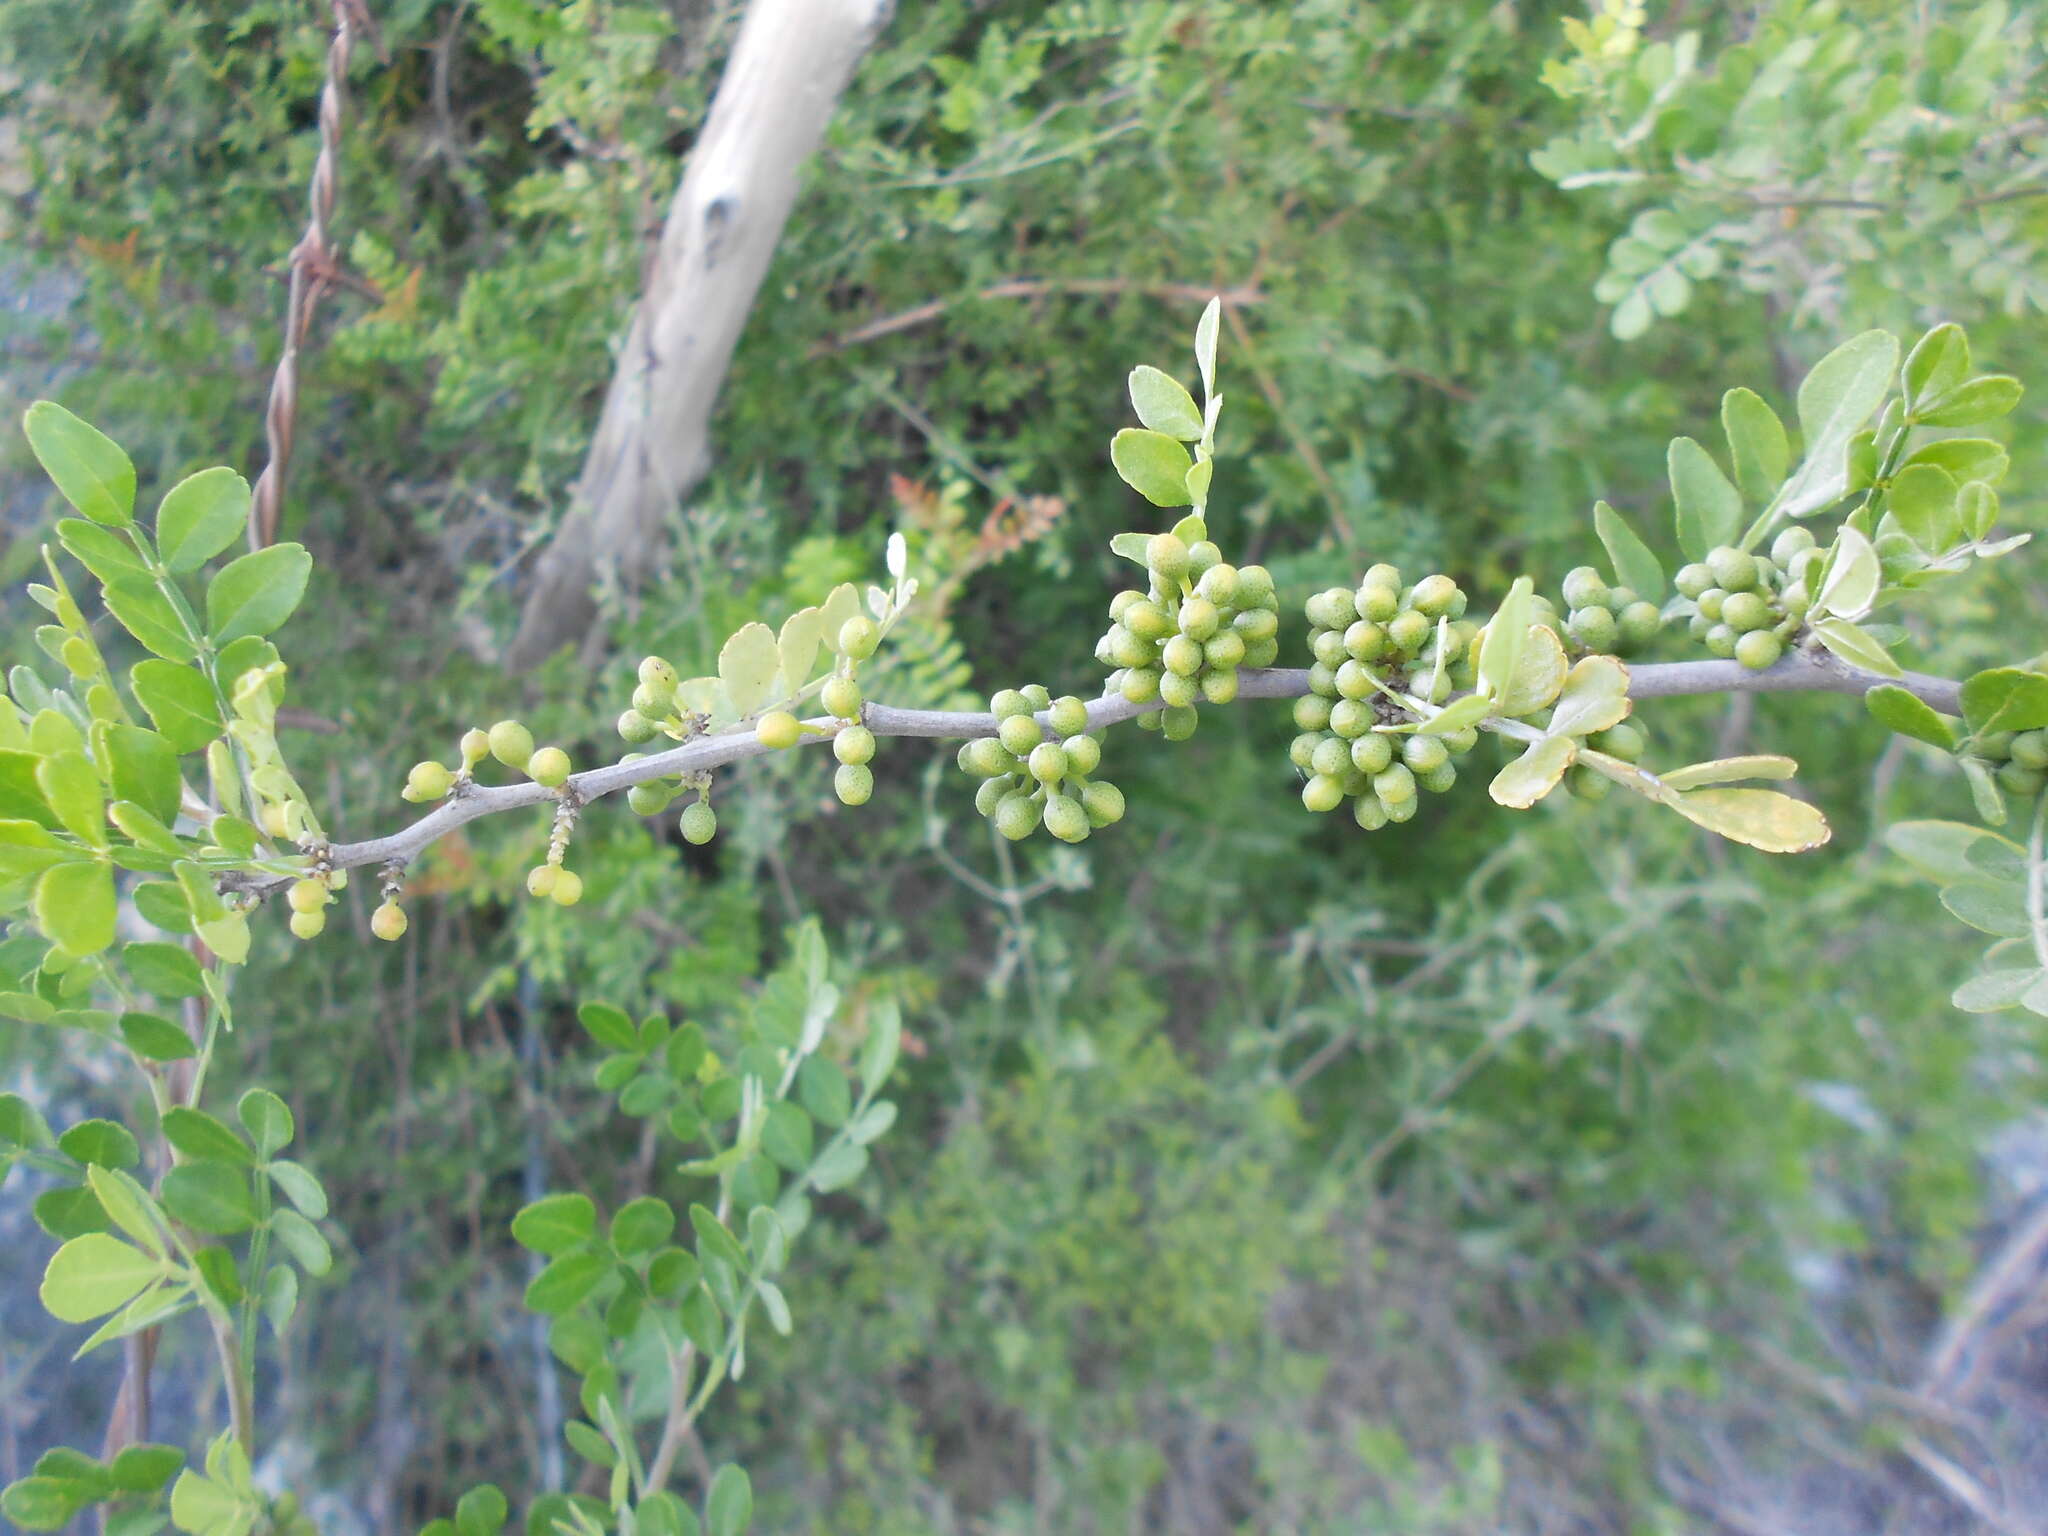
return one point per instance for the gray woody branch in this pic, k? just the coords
(1799, 671)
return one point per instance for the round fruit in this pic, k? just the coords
(511, 743)
(1408, 630)
(1788, 545)
(307, 925)
(1103, 802)
(1224, 650)
(1583, 588)
(1593, 628)
(1639, 623)
(1256, 624)
(1624, 741)
(306, 895)
(2030, 749)
(1069, 716)
(1995, 746)
(841, 697)
(1312, 712)
(568, 888)
(1178, 724)
(1693, 579)
(1147, 620)
(475, 746)
(1367, 811)
(699, 822)
(1010, 701)
(1262, 653)
(1351, 718)
(1709, 603)
(657, 674)
(1331, 756)
(1394, 784)
(1424, 754)
(1126, 650)
(388, 922)
(651, 702)
(549, 767)
(858, 637)
(2025, 783)
(1199, 618)
(1354, 681)
(1302, 750)
(854, 744)
(1017, 814)
(1746, 611)
(1123, 602)
(649, 799)
(778, 730)
(1372, 754)
(1721, 640)
(1757, 650)
(1254, 587)
(987, 757)
(1587, 783)
(1065, 818)
(853, 783)
(1365, 641)
(991, 793)
(1220, 686)
(1323, 792)
(1084, 755)
(540, 880)
(1048, 762)
(1440, 778)
(636, 727)
(1037, 695)
(1733, 568)
(1400, 810)
(1179, 690)
(1323, 680)
(1181, 655)
(1327, 646)
(1166, 556)
(428, 781)
(1020, 733)
(1219, 585)
(1140, 685)
(1437, 597)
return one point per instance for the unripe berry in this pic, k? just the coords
(1709, 603)
(388, 922)
(1068, 716)
(1203, 557)
(1440, 778)
(853, 744)
(1225, 649)
(1408, 630)
(1790, 543)
(1065, 818)
(1126, 650)
(1746, 611)
(652, 702)
(1182, 655)
(991, 793)
(1394, 784)
(1256, 624)
(657, 674)
(2024, 783)
(1382, 575)
(1367, 811)
(1756, 650)
(427, 781)
(1583, 588)
(1103, 802)
(1331, 755)
(858, 637)
(511, 743)
(1586, 783)
(1322, 792)
(1254, 587)
(1371, 754)
(1462, 740)
(1435, 596)
(1328, 645)
(1322, 680)
(1693, 579)
(1376, 602)
(2030, 749)
(1199, 618)
(1624, 741)
(1698, 625)
(1302, 750)
(1261, 653)
(841, 697)
(1424, 753)
(1123, 602)
(1084, 755)
(1147, 620)
(1048, 762)
(1219, 585)
(1179, 688)
(1721, 640)
(306, 895)
(1008, 703)
(1140, 685)
(568, 888)
(778, 729)
(988, 757)
(1354, 681)
(1619, 598)
(636, 727)
(1331, 608)
(1734, 569)
(1220, 686)
(1020, 733)
(540, 880)
(1351, 718)
(1593, 628)
(307, 925)
(853, 783)
(549, 767)
(649, 799)
(1037, 695)
(1177, 724)
(1166, 556)
(1638, 623)
(1017, 814)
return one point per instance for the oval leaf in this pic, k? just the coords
(1835, 400)
(200, 516)
(1762, 818)
(1152, 464)
(1163, 405)
(1709, 507)
(1756, 442)
(1634, 565)
(257, 592)
(556, 1224)
(747, 665)
(92, 1275)
(1910, 715)
(87, 465)
(1535, 773)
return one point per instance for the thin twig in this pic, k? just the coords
(1028, 288)
(1799, 671)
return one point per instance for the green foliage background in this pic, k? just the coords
(1254, 1175)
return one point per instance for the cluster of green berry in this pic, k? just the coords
(1028, 779)
(853, 744)
(2019, 760)
(1608, 621)
(1371, 647)
(511, 743)
(1185, 637)
(1748, 607)
(1624, 741)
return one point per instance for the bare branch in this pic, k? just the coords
(1801, 671)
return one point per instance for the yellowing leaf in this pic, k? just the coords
(747, 666)
(1762, 818)
(1595, 698)
(802, 633)
(1539, 672)
(1727, 769)
(1535, 773)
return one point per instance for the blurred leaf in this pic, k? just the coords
(1709, 507)
(747, 664)
(210, 1197)
(556, 1224)
(1762, 818)
(1909, 715)
(1981, 399)
(1634, 565)
(1835, 400)
(2005, 699)
(1757, 444)
(1855, 646)
(90, 1276)
(86, 465)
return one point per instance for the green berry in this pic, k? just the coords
(1408, 630)
(1181, 655)
(649, 799)
(1995, 746)
(1256, 624)
(306, 895)
(636, 727)
(854, 744)
(1126, 650)
(858, 637)
(1332, 755)
(657, 674)
(1693, 579)
(1065, 818)
(1048, 762)
(1140, 685)
(1424, 753)
(1462, 740)
(1084, 755)
(1302, 750)
(1219, 585)
(1587, 783)
(1593, 628)
(1790, 544)
(475, 747)
(1721, 640)
(1017, 813)
(991, 793)
(1179, 689)
(1638, 624)
(568, 888)
(1354, 681)
(1376, 602)
(1223, 650)
(1709, 603)
(1401, 810)
(1166, 556)
(511, 743)
(1123, 602)
(1199, 618)
(1220, 686)
(1367, 811)
(2024, 783)
(1757, 650)
(1351, 718)
(1583, 588)
(308, 925)
(1008, 703)
(1371, 754)
(1261, 653)
(1440, 778)
(1365, 641)
(1103, 802)
(1069, 716)
(1147, 620)
(1322, 793)
(988, 758)
(1332, 608)
(1037, 695)
(1746, 611)
(653, 703)
(1255, 587)
(427, 781)
(853, 783)
(841, 697)
(1624, 741)
(1394, 784)
(1178, 724)
(1327, 646)
(1435, 597)
(540, 880)
(1020, 733)
(2030, 749)
(1733, 569)
(1322, 680)
(699, 823)
(388, 922)
(777, 730)
(549, 767)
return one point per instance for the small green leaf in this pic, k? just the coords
(1500, 647)
(92, 1275)
(841, 1164)
(556, 1224)
(21, 1123)
(872, 1123)
(1966, 458)
(254, 594)
(1540, 672)
(1634, 565)
(1163, 405)
(280, 1297)
(302, 1240)
(1923, 501)
(1909, 715)
(878, 1055)
(1205, 344)
(481, 1511)
(72, 791)
(729, 1507)
(822, 1087)
(1727, 770)
(775, 1304)
(43, 1503)
(1709, 507)
(642, 1225)
(104, 1143)
(128, 1206)
(566, 1282)
(267, 1119)
(1131, 546)
(1991, 991)
(1992, 906)
(786, 1135)
(1199, 476)
(74, 905)
(2005, 699)
(1835, 400)
(1984, 792)
(1855, 646)
(210, 1197)
(163, 970)
(201, 1137)
(205, 1507)
(139, 608)
(1595, 698)
(87, 465)
(714, 1240)
(803, 632)
(1535, 773)
(747, 665)
(1756, 442)
(200, 516)
(144, 1468)
(1939, 361)
(1981, 399)
(1456, 715)
(299, 1186)
(1938, 850)
(1152, 464)
(609, 1026)
(586, 1442)
(179, 700)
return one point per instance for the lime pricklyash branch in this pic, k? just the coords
(1802, 671)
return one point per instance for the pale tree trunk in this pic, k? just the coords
(792, 60)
